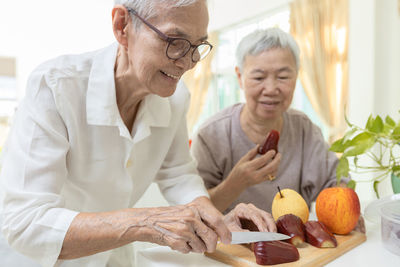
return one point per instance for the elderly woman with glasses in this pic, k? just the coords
(96, 129)
(226, 145)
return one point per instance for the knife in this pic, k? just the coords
(250, 237)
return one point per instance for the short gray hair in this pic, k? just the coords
(147, 8)
(263, 40)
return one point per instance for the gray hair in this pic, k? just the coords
(148, 8)
(263, 40)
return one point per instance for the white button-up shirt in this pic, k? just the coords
(69, 151)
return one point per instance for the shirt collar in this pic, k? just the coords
(157, 110)
(101, 103)
(154, 111)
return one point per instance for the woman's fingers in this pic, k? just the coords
(177, 244)
(181, 228)
(263, 160)
(263, 220)
(179, 233)
(250, 171)
(208, 237)
(203, 232)
(214, 220)
(270, 169)
(262, 168)
(269, 220)
(233, 227)
(196, 227)
(251, 154)
(193, 227)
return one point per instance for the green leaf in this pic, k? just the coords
(352, 184)
(342, 169)
(376, 188)
(389, 121)
(387, 129)
(362, 138)
(359, 145)
(370, 122)
(349, 134)
(341, 144)
(338, 146)
(396, 133)
(377, 125)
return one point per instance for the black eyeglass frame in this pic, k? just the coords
(169, 40)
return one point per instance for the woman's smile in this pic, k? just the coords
(174, 77)
(269, 103)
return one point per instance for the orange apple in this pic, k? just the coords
(338, 208)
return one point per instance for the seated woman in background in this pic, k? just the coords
(226, 145)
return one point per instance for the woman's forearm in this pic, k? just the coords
(91, 233)
(224, 194)
(194, 227)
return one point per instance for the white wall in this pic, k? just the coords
(361, 59)
(374, 68)
(224, 13)
(387, 57)
(34, 31)
(374, 58)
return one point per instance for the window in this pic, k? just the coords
(8, 94)
(8, 91)
(224, 89)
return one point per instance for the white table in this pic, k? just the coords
(370, 253)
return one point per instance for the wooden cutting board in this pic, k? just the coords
(241, 256)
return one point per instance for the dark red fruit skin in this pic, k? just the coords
(318, 235)
(275, 252)
(249, 225)
(272, 252)
(291, 225)
(270, 143)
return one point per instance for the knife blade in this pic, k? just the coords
(250, 237)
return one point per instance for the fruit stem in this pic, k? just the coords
(280, 193)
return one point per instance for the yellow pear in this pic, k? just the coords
(288, 201)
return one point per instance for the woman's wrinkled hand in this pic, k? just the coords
(251, 170)
(262, 219)
(194, 227)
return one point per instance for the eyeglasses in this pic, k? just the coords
(178, 47)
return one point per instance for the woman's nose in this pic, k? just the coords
(186, 63)
(270, 86)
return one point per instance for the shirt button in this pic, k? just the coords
(128, 163)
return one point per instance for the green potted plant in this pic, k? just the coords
(379, 140)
